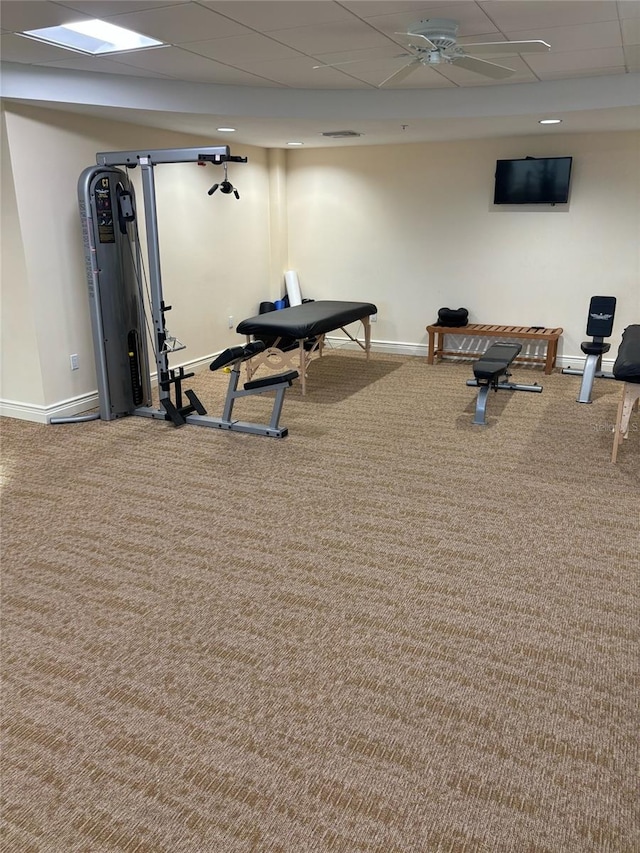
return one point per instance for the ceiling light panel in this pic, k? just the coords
(94, 37)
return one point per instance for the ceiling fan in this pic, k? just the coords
(435, 42)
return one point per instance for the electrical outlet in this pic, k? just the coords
(74, 361)
(373, 318)
(230, 321)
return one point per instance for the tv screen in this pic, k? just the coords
(533, 180)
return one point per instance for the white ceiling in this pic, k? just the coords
(249, 63)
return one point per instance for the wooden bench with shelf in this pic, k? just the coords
(481, 330)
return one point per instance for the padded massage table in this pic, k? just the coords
(306, 324)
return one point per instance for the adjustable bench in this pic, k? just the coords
(234, 356)
(491, 372)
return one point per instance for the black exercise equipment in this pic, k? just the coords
(452, 317)
(234, 356)
(602, 310)
(491, 372)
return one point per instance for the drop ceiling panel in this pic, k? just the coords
(20, 49)
(632, 57)
(180, 24)
(579, 37)
(300, 71)
(511, 16)
(78, 62)
(470, 17)
(631, 31)
(628, 9)
(178, 63)
(106, 8)
(241, 49)
(17, 17)
(577, 60)
(370, 8)
(281, 14)
(325, 38)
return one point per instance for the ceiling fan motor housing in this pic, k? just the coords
(442, 32)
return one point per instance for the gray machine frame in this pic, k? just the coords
(109, 165)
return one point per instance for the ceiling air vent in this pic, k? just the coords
(341, 134)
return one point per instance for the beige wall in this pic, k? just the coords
(21, 376)
(215, 251)
(413, 228)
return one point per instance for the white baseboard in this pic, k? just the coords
(85, 402)
(390, 347)
(399, 348)
(43, 414)
(82, 403)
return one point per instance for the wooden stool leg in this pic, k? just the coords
(628, 402)
(616, 430)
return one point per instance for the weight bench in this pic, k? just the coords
(491, 372)
(234, 356)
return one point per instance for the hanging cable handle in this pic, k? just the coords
(225, 186)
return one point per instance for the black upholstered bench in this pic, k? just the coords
(307, 324)
(491, 372)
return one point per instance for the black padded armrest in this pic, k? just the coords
(266, 381)
(241, 352)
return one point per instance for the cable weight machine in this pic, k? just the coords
(114, 269)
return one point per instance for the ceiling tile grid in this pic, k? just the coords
(358, 44)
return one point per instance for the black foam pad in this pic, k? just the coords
(267, 381)
(495, 360)
(594, 347)
(254, 348)
(227, 357)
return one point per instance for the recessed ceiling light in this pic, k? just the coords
(93, 37)
(550, 121)
(226, 129)
(295, 143)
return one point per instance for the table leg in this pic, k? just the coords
(552, 349)
(630, 397)
(432, 336)
(366, 325)
(302, 371)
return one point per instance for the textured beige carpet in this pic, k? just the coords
(390, 632)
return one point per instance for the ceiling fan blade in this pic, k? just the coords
(402, 73)
(481, 66)
(495, 48)
(417, 36)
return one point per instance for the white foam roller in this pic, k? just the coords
(293, 287)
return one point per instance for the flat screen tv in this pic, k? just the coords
(533, 180)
